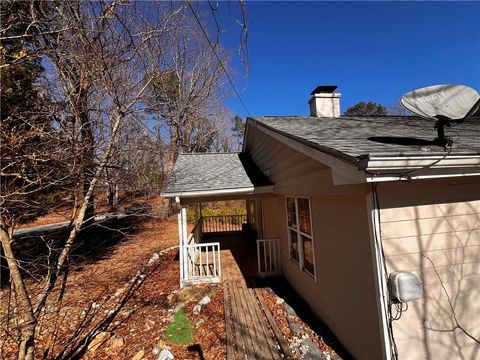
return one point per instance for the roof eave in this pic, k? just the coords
(384, 168)
(251, 190)
(382, 163)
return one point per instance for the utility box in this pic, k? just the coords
(405, 286)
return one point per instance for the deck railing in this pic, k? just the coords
(203, 263)
(223, 223)
(268, 257)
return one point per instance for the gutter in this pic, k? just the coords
(379, 163)
(219, 192)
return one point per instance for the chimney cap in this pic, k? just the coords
(324, 89)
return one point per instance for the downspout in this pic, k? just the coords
(380, 273)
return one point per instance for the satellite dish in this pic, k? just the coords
(446, 104)
(451, 101)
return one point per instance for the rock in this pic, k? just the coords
(149, 324)
(313, 352)
(161, 345)
(138, 355)
(294, 326)
(119, 292)
(200, 322)
(126, 313)
(205, 300)
(154, 258)
(117, 342)
(289, 310)
(98, 340)
(197, 309)
(279, 301)
(155, 351)
(165, 354)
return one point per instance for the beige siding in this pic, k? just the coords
(433, 228)
(343, 294)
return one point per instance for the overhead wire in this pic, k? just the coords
(218, 58)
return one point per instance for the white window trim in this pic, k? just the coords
(301, 255)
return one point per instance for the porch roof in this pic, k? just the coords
(216, 174)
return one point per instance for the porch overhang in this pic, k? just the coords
(216, 176)
(234, 192)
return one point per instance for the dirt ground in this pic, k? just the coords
(117, 305)
(121, 294)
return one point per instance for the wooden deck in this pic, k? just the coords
(251, 330)
(238, 256)
(247, 330)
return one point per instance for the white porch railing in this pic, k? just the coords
(223, 223)
(202, 263)
(268, 257)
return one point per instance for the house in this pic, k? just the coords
(340, 203)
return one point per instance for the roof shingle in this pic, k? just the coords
(214, 171)
(353, 137)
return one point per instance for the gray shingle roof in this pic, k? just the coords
(213, 171)
(352, 137)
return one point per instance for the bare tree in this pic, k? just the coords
(188, 88)
(98, 65)
(110, 73)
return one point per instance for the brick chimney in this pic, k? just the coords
(325, 102)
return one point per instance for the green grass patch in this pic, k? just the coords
(180, 331)
(211, 293)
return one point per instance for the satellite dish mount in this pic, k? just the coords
(442, 122)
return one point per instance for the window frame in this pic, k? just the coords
(301, 254)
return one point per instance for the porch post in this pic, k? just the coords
(249, 212)
(185, 239)
(180, 240)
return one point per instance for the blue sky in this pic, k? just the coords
(374, 51)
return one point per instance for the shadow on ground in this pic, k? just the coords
(282, 288)
(95, 242)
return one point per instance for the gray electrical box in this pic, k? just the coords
(405, 286)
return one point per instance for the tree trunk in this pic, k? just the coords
(27, 320)
(78, 222)
(112, 197)
(88, 159)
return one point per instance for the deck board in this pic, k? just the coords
(253, 338)
(228, 325)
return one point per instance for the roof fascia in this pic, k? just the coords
(380, 163)
(221, 192)
(245, 134)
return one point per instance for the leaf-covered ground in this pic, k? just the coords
(118, 305)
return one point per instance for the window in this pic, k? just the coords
(300, 236)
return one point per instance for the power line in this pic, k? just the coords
(218, 58)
